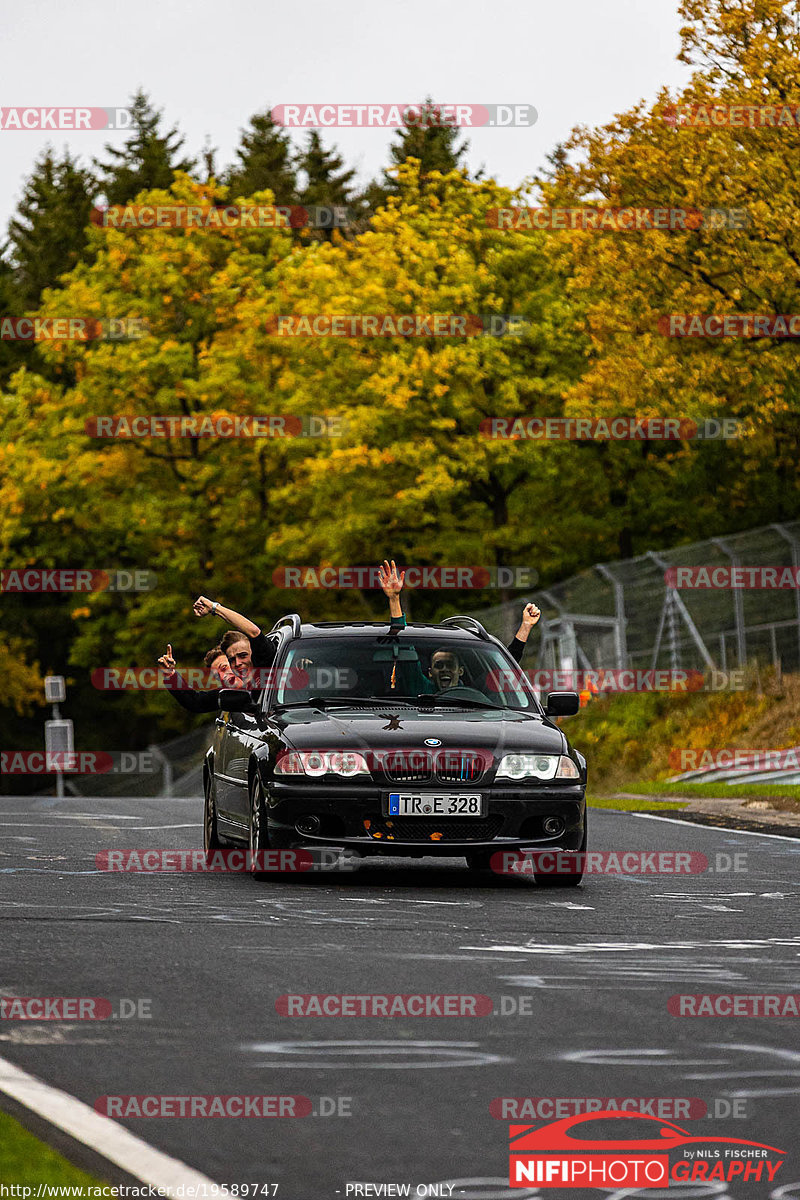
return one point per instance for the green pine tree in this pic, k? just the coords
(436, 146)
(149, 159)
(326, 182)
(266, 162)
(47, 236)
(12, 354)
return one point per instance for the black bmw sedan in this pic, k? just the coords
(368, 738)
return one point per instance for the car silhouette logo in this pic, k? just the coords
(557, 1136)
(433, 742)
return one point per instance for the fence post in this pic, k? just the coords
(784, 532)
(620, 637)
(671, 597)
(738, 603)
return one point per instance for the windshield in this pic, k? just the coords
(422, 668)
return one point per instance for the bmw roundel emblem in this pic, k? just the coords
(432, 742)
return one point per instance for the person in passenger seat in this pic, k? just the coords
(391, 581)
(246, 646)
(192, 700)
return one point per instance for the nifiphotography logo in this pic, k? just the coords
(613, 1149)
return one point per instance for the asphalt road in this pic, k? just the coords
(592, 969)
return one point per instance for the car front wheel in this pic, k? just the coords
(258, 839)
(211, 839)
(563, 881)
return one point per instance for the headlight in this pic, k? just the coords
(316, 763)
(537, 766)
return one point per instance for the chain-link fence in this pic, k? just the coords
(175, 768)
(627, 614)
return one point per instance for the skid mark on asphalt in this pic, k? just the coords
(370, 1055)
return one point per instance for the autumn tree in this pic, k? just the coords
(742, 257)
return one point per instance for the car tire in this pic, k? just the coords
(211, 838)
(480, 860)
(258, 839)
(563, 881)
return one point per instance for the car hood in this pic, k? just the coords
(499, 732)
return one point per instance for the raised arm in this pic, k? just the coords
(202, 607)
(530, 617)
(187, 697)
(391, 581)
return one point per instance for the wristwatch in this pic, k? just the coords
(214, 607)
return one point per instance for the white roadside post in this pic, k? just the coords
(58, 734)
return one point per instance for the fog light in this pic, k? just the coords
(308, 825)
(554, 825)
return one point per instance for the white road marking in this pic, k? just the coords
(100, 1133)
(713, 828)
(69, 816)
(82, 825)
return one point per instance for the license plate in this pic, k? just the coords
(433, 804)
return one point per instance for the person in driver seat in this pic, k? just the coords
(446, 670)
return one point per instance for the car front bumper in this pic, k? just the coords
(355, 818)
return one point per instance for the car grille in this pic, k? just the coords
(408, 766)
(422, 829)
(419, 766)
(455, 766)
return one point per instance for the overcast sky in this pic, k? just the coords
(211, 64)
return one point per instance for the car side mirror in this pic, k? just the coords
(562, 704)
(235, 700)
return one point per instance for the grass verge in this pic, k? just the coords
(24, 1160)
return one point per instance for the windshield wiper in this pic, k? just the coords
(455, 702)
